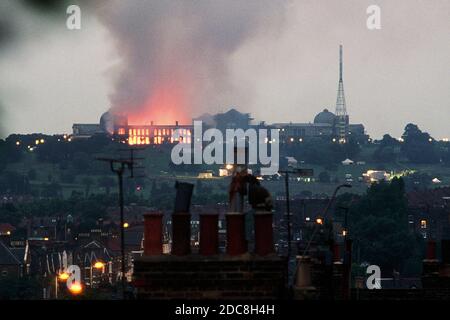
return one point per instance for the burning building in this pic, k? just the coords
(117, 126)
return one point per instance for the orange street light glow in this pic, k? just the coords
(76, 288)
(63, 276)
(319, 221)
(99, 265)
(126, 225)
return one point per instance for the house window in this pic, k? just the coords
(423, 224)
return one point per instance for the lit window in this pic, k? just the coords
(423, 224)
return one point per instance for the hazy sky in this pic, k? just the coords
(279, 63)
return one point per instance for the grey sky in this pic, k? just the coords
(284, 70)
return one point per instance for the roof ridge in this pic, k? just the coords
(8, 251)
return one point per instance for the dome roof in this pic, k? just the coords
(107, 122)
(325, 117)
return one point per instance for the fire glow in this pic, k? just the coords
(146, 135)
(166, 105)
(156, 121)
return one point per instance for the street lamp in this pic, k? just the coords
(301, 173)
(76, 288)
(333, 197)
(118, 167)
(63, 276)
(99, 265)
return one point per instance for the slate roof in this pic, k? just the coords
(7, 257)
(432, 197)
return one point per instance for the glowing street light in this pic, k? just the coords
(319, 221)
(99, 265)
(126, 225)
(76, 288)
(63, 276)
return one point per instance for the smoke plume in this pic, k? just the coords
(174, 54)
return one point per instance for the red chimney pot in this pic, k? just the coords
(153, 233)
(431, 250)
(263, 233)
(181, 233)
(236, 241)
(209, 234)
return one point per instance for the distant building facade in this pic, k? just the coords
(325, 125)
